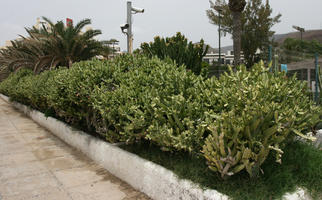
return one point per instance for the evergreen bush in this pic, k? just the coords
(235, 121)
(9, 83)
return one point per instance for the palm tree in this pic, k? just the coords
(236, 7)
(68, 44)
(52, 46)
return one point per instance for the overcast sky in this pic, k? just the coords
(162, 17)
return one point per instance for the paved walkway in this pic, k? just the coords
(36, 165)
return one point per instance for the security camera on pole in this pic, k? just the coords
(130, 10)
(302, 30)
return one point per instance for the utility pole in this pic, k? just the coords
(219, 9)
(269, 53)
(300, 29)
(129, 30)
(219, 40)
(317, 78)
(130, 10)
(276, 63)
(270, 57)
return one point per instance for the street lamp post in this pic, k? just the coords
(302, 30)
(129, 30)
(130, 10)
(219, 9)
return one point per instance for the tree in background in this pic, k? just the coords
(255, 26)
(113, 42)
(51, 46)
(236, 8)
(310, 47)
(178, 49)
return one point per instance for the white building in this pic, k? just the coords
(116, 50)
(227, 58)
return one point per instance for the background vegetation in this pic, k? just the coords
(256, 23)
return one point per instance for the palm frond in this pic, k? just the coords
(80, 25)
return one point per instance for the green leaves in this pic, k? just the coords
(178, 49)
(259, 111)
(256, 24)
(235, 122)
(52, 46)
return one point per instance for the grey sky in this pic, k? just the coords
(162, 17)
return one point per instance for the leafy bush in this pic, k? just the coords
(260, 112)
(178, 49)
(151, 102)
(234, 122)
(6, 87)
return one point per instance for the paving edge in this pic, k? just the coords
(145, 176)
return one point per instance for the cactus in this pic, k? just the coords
(261, 113)
(178, 49)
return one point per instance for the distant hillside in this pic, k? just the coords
(223, 49)
(308, 35)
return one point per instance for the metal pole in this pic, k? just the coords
(219, 40)
(270, 57)
(129, 30)
(316, 79)
(113, 50)
(270, 53)
(276, 63)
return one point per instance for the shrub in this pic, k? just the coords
(40, 90)
(142, 103)
(21, 92)
(73, 88)
(235, 122)
(180, 50)
(8, 84)
(260, 113)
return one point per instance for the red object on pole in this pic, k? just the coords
(69, 22)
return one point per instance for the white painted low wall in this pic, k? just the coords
(145, 176)
(318, 142)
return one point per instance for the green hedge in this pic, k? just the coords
(234, 121)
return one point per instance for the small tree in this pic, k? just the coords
(256, 24)
(178, 49)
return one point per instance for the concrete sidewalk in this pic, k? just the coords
(36, 165)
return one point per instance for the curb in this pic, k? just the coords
(145, 176)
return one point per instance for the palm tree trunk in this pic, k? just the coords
(237, 36)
